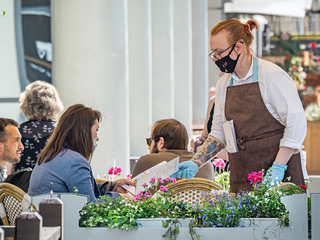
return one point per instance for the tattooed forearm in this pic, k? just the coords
(209, 149)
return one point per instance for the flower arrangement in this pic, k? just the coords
(221, 177)
(227, 211)
(122, 213)
(218, 162)
(255, 177)
(296, 72)
(312, 112)
(114, 171)
(214, 210)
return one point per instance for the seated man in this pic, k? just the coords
(10, 145)
(169, 139)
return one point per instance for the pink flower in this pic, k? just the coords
(218, 162)
(171, 179)
(160, 180)
(313, 45)
(129, 176)
(140, 194)
(144, 185)
(136, 198)
(163, 188)
(115, 171)
(147, 195)
(152, 180)
(255, 177)
(284, 36)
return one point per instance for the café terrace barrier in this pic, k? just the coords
(296, 205)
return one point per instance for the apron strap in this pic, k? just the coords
(255, 72)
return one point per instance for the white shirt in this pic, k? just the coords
(280, 96)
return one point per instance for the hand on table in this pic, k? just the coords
(187, 169)
(119, 183)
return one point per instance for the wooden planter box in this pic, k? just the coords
(312, 147)
(296, 205)
(312, 79)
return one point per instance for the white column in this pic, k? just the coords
(9, 73)
(90, 67)
(200, 59)
(182, 19)
(162, 60)
(140, 74)
(215, 16)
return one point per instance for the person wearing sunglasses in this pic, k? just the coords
(168, 140)
(263, 102)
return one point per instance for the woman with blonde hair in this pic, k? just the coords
(40, 103)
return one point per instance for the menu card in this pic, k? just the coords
(161, 170)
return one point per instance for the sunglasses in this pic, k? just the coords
(149, 140)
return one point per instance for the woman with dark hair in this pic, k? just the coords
(65, 161)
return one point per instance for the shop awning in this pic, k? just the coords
(289, 8)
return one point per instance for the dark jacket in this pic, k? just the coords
(20, 178)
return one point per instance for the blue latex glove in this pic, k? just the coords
(276, 173)
(187, 169)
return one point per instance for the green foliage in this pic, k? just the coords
(214, 209)
(285, 45)
(3, 13)
(75, 189)
(217, 210)
(223, 180)
(172, 226)
(312, 112)
(295, 69)
(109, 212)
(192, 230)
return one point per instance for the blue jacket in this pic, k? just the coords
(67, 171)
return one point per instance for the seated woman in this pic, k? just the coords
(40, 103)
(65, 161)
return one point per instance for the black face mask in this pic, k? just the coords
(226, 64)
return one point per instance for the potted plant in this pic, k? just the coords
(242, 214)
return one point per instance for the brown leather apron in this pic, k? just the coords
(258, 137)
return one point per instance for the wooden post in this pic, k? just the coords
(28, 226)
(51, 210)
